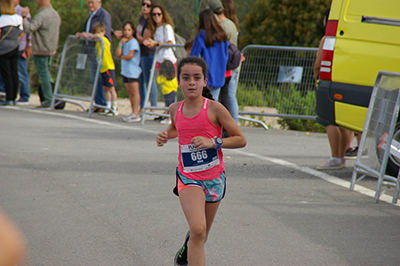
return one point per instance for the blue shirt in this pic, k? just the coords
(216, 57)
(131, 68)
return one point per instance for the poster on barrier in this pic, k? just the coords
(81, 61)
(290, 74)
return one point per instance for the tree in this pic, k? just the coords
(285, 22)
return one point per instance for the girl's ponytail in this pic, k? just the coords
(207, 93)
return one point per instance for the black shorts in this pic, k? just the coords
(108, 78)
(129, 80)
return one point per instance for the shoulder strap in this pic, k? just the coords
(9, 30)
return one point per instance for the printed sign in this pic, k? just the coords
(289, 74)
(81, 61)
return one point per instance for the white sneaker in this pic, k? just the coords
(331, 164)
(131, 118)
(105, 112)
(112, 113)
(166, 121)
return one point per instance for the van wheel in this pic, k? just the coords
(393, 162)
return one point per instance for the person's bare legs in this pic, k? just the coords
(200, 216)
(334, 140)
(339, 139)
(346, 136)
(132, 88)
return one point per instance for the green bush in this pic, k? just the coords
(296, 104)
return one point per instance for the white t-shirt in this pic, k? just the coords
(164, 34)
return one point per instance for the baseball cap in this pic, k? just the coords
(216, 6)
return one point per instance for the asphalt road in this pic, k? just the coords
(99, 192)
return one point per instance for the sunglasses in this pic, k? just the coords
(146, 5)
(157, 14)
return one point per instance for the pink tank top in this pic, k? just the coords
(195, 164)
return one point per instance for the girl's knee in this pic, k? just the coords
(198, 233)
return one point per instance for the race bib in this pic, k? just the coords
(194, 160)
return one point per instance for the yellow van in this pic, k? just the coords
(362, 38)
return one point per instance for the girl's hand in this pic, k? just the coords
(202, 143)
(162, 138)
(123, 40)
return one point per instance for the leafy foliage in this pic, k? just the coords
(285, 22)
(296, 104)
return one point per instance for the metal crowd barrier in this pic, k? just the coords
(78, 73)
(378, 131)
(277, 81)
(180, 53)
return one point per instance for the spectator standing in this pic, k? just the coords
(232, 33)
(129, 52)
(146, 56)
(97, 14)
(211, 42)
(45, 29)
(230, 13)
(107, 70)
(10, 27)
(339, 138)
(159, 32)
(25, 51)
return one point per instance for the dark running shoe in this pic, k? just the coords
(352, 154)
(181, 256)
(159, 118)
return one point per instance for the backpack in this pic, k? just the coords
(234, 56)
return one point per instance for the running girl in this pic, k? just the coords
(197, 122)
(129, 52)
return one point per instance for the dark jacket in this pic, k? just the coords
(101, 16)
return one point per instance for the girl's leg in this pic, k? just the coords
(211, 211)
(132, 88)
(107, 93)
(113, 94)
(200, 216)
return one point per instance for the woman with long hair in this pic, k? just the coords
(160, 31)
(211, 43)
(10, 29)
(146, 55)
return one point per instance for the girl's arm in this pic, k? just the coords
(128, 56)
(171, 131)
(219, 116)
(224, 118)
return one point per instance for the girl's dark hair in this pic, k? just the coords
(132, 25)
(194, 60)
(213, 29)
(230, 12)
(167, 69)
